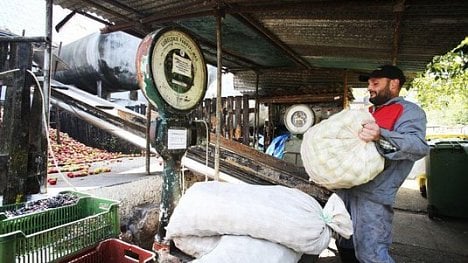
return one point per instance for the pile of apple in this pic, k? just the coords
(75, 158)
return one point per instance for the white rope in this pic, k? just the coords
(46, 128)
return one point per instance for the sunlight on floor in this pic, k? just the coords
(411, 184)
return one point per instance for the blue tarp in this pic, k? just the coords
(276, 148)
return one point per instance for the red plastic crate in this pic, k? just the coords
(113, 251)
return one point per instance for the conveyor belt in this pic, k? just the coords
(115, 119)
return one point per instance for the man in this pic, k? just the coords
(399, 134)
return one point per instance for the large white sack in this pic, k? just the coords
(335, 157)
(243, 249)
(276, 213)
(196, 246)
(231, 249)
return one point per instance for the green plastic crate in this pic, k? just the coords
(49, 235)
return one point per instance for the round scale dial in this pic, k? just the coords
(179, 70)
(298, 118)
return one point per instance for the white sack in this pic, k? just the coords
(242, 249)
(276, 213)
(335, 157)
(196, 246)
(231, 249)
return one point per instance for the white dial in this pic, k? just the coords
(179, 70)
(298, 118)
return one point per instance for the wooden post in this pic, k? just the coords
(57, 125)
(345, 90)
(224, 118)
(214, 114)
(238, 117)
(229, 119)
(207, 113)
(15, 127)
(245, 120)
(270, 134)
(256, 116)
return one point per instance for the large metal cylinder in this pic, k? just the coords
(109, 58)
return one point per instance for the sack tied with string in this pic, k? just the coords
(279, 214)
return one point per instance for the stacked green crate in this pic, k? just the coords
(46, 236)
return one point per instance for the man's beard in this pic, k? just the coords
(382, 97)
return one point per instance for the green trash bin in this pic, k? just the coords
(447, 179)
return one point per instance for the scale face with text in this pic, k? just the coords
(172, 73)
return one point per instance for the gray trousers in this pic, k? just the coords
(372, 223)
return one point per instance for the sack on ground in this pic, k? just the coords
(242, 249)
(278, 214)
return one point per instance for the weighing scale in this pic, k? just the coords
(172, 74)
(297, 119)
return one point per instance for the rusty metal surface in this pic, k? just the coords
(317, 38)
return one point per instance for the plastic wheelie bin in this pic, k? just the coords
(447, 179)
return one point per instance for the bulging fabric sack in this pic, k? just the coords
(235, 249)
(196, 246)
(335, 157)
(278, 214)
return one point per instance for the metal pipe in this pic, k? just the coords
(47, 60)
(207, 136)
(99, 88)
(256, 113)
(42, 141)
(148, 136)
(97, 19)
(64, 21)
(218, 91)
(22, 39)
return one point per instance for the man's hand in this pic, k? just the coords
(370, 132)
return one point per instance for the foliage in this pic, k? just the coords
(443, 87)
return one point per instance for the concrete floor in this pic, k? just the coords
(417, 238)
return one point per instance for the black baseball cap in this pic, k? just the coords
(385, 71)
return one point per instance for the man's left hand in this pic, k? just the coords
(370, 132)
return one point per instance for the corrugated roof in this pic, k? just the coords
(294, 44)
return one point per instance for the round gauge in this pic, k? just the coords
(177, 69)
(298, 118)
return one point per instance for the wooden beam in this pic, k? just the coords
(95, 18)
(398, 9)
(302, 98)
